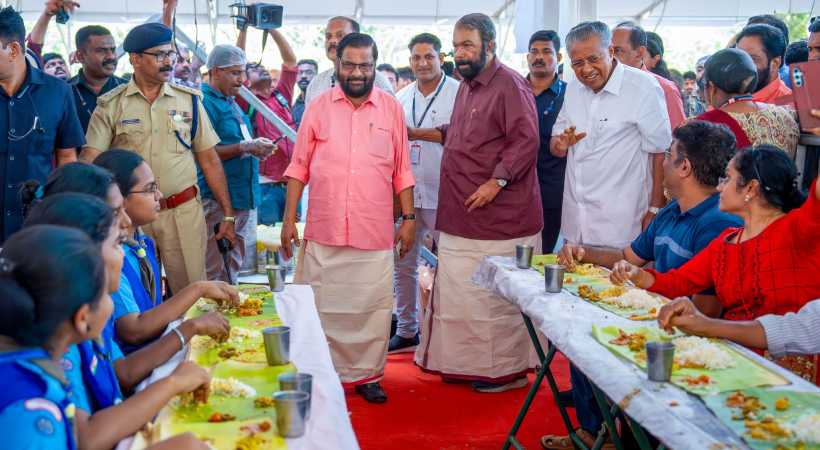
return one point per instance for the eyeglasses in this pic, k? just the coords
(722, 180)
(153, 190)
(350, 67)
(592, 60)
(667, 153)
(162, 55)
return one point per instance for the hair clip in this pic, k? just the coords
(38, 194)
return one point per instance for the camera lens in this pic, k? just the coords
(266, 16)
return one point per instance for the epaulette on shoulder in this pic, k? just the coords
(104, 99)
(187, 89)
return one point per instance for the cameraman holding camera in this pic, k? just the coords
(278, 97)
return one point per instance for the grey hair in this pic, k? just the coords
(585, 30)
(481, 22)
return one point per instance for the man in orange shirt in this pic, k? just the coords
(352, 147)
(767, 47)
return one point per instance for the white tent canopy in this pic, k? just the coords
(422, 12)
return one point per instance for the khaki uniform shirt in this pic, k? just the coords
(125, 119)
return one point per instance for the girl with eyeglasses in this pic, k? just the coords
(139, 311)
(767, 266)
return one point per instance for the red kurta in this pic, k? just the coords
(775, 272)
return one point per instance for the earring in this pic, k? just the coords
(747, 197)
(88, 328)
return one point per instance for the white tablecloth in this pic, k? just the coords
(329, 425)
(567, 321)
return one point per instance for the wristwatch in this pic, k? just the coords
(229, 219)
(501, 183)
(654, 210)
(408, 217)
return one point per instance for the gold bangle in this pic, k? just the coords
(642, 279)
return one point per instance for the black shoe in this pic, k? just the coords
(566, 398)
(399, 344)
(485, 387)
(372, 392)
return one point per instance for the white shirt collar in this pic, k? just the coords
(613, 85)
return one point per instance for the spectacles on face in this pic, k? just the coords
(152, 190)
(162, 55)
(724, 180)
(668, 153)
(350, 67)
(592, 60)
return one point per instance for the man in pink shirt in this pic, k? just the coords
(630, 45)
(352, 147)
(278, 96)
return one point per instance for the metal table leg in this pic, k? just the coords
(546, 360)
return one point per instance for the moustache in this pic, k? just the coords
(539, 63)
(110, 62)
(332, 48)
(59, 70)
(362, 79)
(463, 61)
(166, 69)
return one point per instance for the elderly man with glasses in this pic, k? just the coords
(168, 126)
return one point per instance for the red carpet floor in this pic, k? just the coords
(424, 413)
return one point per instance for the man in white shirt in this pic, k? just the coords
(428, 103)
(337, 28)
(613, 120)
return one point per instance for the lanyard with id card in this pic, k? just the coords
(246, 135)
(415, 149)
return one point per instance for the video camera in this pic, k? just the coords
(261, 16)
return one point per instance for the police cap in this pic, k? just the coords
(145, 36)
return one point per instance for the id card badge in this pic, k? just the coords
(415, 154)
(245, 135)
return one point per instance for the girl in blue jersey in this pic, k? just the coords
(140, 314)
(90, 365)
(99, 182)
(133, 329)
(53, 294)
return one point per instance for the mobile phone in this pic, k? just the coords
(398, 249)
(806, 94)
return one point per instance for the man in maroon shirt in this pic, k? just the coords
(278, 97)
(489, 201)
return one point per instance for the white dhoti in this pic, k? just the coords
(353, 289)
(469, 332)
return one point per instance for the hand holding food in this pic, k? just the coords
(211, 323)
(683, 314)
(189, 377)
(569, 254)
(220, 292)
(622, 272)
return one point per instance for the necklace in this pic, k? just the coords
(770, 218)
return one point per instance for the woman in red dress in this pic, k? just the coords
(768, 266)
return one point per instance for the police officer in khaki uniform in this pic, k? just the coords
(168, 126)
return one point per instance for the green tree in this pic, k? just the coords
(798, 25)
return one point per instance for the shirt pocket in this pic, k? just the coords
(477, 129)
(183, 130)
(381, 141)
(132, 135)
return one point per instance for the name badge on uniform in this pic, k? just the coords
(415, 154)
(130, 122)
(245, 135)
